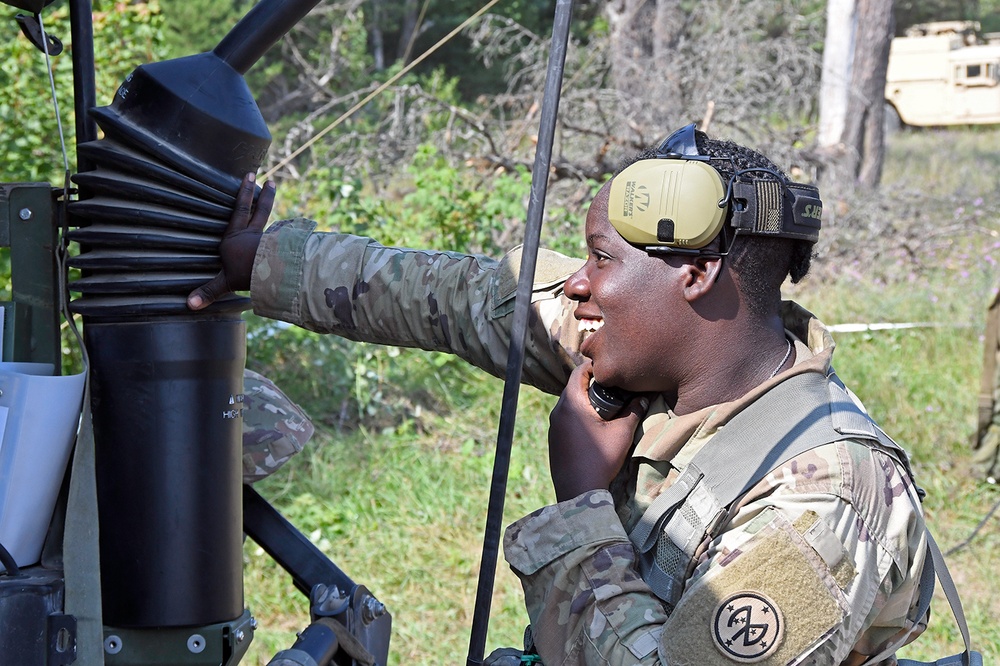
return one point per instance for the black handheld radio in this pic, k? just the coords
(608, 401)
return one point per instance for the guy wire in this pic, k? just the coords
(378, 91)
(62, 251)
(52, 87)
(975, 531)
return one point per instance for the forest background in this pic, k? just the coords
(393, 486)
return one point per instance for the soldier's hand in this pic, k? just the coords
(504, 657)
(239, 244)
(585, 451)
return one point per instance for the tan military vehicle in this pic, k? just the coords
(943, 73)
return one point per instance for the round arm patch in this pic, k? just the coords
(748, 627)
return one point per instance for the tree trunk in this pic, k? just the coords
(641, 59)
(864, 138)
(376, 36)
(624, 51)
(667, 27)
(838, 53)
(407, 31)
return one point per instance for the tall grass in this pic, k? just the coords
(401, 509)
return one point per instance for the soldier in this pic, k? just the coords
(819, 562)
(986, 444)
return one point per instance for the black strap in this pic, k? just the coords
(935, 564)
(948, 585)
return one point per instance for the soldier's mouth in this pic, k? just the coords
(590, 326)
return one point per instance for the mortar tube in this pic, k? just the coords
(167, 399)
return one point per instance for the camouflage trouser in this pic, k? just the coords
(986, 457)
(986, 444)
(274, 427)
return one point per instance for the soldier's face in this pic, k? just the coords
(630, 308)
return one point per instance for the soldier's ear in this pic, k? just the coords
(700, 275)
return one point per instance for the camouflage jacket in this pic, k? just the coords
(830, 544)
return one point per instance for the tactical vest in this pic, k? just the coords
(801, 413)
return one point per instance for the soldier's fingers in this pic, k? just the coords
(244, 204)
(262, 211)
(208, 293)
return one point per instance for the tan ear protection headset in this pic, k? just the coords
(677, 202)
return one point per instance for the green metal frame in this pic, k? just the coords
(29, 227)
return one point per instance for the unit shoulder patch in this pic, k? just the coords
(748, 627)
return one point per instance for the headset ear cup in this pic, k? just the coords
(667, 202)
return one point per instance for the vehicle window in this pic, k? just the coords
(977, 74)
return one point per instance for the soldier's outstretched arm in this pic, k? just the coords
(440, 301)
(353, 287)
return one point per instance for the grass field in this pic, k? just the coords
(401, 509)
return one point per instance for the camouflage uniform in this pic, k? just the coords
(830, 545)
(274, 427)
(986, 443)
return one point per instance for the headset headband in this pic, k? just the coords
(677, 202)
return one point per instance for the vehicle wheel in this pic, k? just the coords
(891, 123)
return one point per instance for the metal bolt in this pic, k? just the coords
(112, 644)
(25, 214)
(328, 601)
(372, 609)
(196, 643)
(240, 636)
(253, 620)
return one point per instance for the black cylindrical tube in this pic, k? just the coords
(316, 646)
(259, 30)
(519, 329)
(167, 398)
(84, 87)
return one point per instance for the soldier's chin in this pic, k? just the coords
(602, 374)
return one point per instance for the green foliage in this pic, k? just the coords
(911, 12)
(443, 16)
(455, 207)
(285, 79)
(196, 26)
(345, 385)
(438, 204)
(125, 35)
(335, 201)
